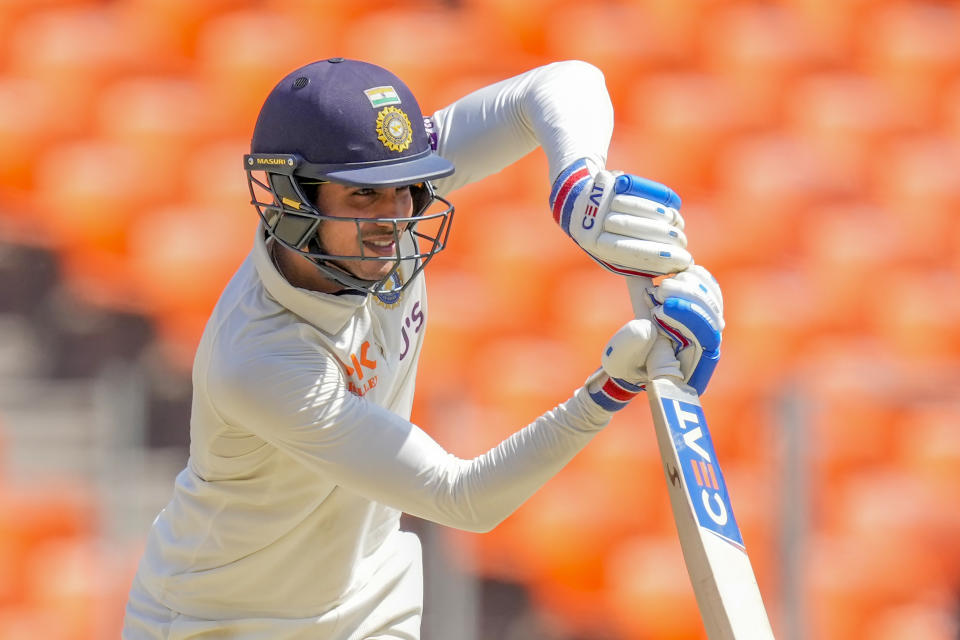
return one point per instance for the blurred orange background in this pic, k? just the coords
(816, 146)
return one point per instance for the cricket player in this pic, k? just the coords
(285, 522)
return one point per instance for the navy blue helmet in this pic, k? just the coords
(352, 123)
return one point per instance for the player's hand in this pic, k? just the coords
(630, 225)
(688, 309)
(624, 369)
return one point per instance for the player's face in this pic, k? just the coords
(375, 236)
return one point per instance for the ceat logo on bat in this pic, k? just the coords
(701, 473)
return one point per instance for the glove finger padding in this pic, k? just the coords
(649, 257)
(698, 286)
(649, 229)
(690, 313)
(645, 208)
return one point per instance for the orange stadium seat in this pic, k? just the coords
(33, 622)
(83, 48)
(623, 39)
(923, 322)
(870, 509)
(164, 119)
(522, 281)
(854, 410)
(846, 116)
(767, 186)
(182, 256)
(832, 24)
(428, 48)
(760, 50)
(566, 568)
(930, 446)
(625, 460)
(80, 581)
(88, 195)
(929, 454)
(179, 260)
(521, 23)
(950, 110)
(649, 592)
(837, 588)
(461, 309)
(242, 55)
(523, 374)
(13, 12)
(33, 116)
(685, 118)
(741, 415)
(29, 517)
(849, 244)
(180, 21)
(912, 48)
(755, 494)
(769, 320)
(936, 620)
(592, 306)
(914, 178)
(215, 176)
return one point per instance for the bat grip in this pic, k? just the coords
(662, 362)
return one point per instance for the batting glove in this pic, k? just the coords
(688, 309)
(624, 370)
(630, 225)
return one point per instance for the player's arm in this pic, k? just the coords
(562, 107)
(300, 405)
(565, 108)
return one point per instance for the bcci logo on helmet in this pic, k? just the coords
(393, 129)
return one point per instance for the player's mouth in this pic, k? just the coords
(383, 246)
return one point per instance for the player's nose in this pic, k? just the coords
(394, 203)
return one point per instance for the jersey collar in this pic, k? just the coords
(325, 311)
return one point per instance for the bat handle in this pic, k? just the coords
(662, 362)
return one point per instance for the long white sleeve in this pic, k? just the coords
(305, 411)
(563, 107)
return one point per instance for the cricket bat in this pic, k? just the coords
(723, 580)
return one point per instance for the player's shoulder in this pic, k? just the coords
(250, 332)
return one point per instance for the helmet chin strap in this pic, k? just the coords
(340, 275)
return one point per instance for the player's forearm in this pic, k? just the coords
(388, 460)
(563, 107)
(492, 486)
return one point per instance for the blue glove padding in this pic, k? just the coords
(688, 308)
(699, 324)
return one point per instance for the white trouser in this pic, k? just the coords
(389, 607)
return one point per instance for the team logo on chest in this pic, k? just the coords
(389, 297)
(394, 129)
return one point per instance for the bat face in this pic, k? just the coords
(702, 477)
(720, 572)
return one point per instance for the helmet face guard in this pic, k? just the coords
(291, 217)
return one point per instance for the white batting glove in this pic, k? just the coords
(688, 309)
(630, 225)
(624, 370)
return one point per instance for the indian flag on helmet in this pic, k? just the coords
(382, 96)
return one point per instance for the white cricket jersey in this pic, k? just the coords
(285, 521)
